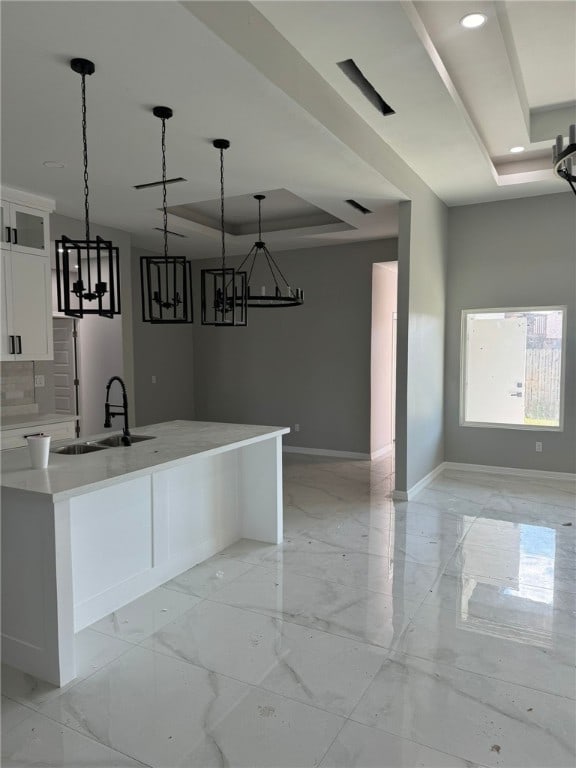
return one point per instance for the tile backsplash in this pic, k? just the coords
(17, 384)
(19, 395)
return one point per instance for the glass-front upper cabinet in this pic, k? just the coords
(25, 229)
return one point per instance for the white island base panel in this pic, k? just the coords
(67, 563)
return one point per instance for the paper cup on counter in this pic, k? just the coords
(39, 446)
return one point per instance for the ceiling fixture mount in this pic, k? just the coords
(473, 20)
(282, 294)
(224, 289)
(150, 184)
(564, 159)
(165, 281)
(517, 150)
(175, 234)
(95, 289)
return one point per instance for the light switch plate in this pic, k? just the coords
(39, 380)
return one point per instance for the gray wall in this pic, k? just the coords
(164, 351)
(308, 365)
(422, 257)
(422, 229)
(506, 254)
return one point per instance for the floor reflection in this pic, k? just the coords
(380, 633)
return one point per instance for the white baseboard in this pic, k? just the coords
(386, 451)
(513, 471)
(517, 471)
(420, 485)
(326, 452)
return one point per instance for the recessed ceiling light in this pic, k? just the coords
(473, 20)
(53, 164)
(516, 150)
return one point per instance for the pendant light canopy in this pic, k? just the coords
(564, 158)
(166, 281)
(224, 289)
(87, 271)
(280, 293)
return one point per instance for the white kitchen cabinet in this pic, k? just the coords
(91, 533)
(25, 229)
(26, 295)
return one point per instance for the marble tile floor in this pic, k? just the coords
(438, 632)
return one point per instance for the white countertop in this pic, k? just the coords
(176, 441)
(35, 419)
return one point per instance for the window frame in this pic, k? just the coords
(463, 359)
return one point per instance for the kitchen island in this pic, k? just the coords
(93, 532)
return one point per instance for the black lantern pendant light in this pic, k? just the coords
(281, 295)
(224, 290)
(87, 271)
(166, 281)
(564, 159)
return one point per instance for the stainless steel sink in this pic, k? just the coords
(114, 441)
(80, 448)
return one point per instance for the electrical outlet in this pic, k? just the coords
(538, 447)
(153, 379)
(39, 381)
(296, 427)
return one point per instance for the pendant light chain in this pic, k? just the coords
(85, 156)
(259, 219)
(165, 281)
(223, 291)
(164, 203)
(87, 271)
(222, 208)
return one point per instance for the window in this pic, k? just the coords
(512, 368)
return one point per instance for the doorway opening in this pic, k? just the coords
(383, 359)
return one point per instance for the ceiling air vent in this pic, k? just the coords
(176, 234)
(177, 180)
(359, 206)
(353, 73)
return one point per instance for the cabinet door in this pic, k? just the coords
(6, 330)
(29, 233)
(32, 306)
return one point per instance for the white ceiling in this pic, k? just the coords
(462, 98)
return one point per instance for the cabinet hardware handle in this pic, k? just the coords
(19, 345)
(8, 237)
(11, 344)
(14, 236)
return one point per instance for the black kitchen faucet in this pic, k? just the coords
(121, 410)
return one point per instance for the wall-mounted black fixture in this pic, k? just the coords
(87, 271)
(564, 159)
(224, 289)
(166, 281)
(280, 294)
